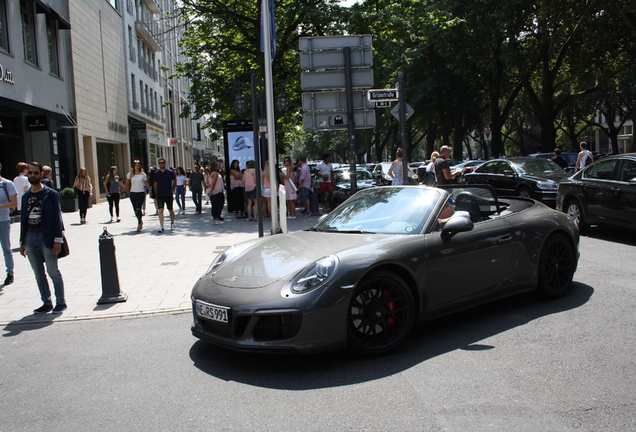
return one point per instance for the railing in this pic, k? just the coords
(135, 105)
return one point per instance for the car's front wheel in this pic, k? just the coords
(556, 266)
(381, 314)
(574, 209)
(524, 192)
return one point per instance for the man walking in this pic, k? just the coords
(21, 183)
(8, 200)
(585, 157)
(164, 185)
(41, 237)
(442, 169)
(304, 184)
(324, 171)
(196, 187)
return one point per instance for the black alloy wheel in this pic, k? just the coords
(524, 192)
(556, 266)
(381, 314)
(574, 209)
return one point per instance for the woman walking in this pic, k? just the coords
(290, 187)
(236, 200)
(84, 189)
(214, 189)
(137, 180)
(267, 191)
(111, 186)
(249, 181)
(179, 195)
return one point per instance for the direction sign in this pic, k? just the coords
(396, 111)
(338, 120)
(334, 42)
(332, 79)
(334, 59)
(378, 95)
(334, 101)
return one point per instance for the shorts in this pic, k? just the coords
(304, 193)
(267, 192)
(326, 186)
(250, 194)
(168, 200)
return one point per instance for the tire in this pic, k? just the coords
(524, 192)
(574, 209)
(556, 266)
(381, 314)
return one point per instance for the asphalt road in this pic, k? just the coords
(519, 364)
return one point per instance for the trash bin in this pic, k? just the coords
(111, 293)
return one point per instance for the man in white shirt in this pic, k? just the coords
(8, 200)
(324, 171)
(585, 157)
(21, 183)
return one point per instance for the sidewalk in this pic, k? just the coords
(156, 270)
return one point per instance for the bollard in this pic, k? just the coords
(108, 264)
(314, 203)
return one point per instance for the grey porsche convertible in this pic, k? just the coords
(366, 273)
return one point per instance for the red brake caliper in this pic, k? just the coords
(390, 306)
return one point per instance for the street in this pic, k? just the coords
(519, 364)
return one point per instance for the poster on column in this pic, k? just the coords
(239, 142)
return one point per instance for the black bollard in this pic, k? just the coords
(111, 292)
(313, 202)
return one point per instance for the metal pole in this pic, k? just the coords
(271, 125)
(405, 144)
(351, 126)
(257, 156)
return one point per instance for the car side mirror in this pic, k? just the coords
(509, 173)
(456, 225)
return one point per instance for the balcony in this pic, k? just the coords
(146, 30)
(135, 105)
(152, 6)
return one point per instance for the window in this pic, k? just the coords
(51, 34)
(628, 171)
(134, 91)
(141, 95)
(603, 170)
(113, 3)
(28, 32)
(4, 32)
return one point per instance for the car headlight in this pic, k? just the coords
(220, 259)
(547, 185)
(315, 275)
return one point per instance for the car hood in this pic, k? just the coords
(266, 261)
(556, 177)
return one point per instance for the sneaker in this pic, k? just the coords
(291, 217)
(59, 308)
(43, 309)
(118, 220)
(9, 279)
(308, 214)
(172, 227)
(112, 220)
(160, 230)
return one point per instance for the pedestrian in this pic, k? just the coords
(289, 177)
(84, 189)
(136, 186)
(267, 190)
(164, 186)
(111, 187)
(182, 181)
(429, 177)
(214, 190)
(324, 171)
(249, 181)
(585, 157)
(151, 191)
(304, 184)
(8, 200)
(236, 198)
(41, 237)
(46, 176)
(395, 171)
(558, 159)
(21, 183)
(443, 174)
(206, 174)
(196, 187)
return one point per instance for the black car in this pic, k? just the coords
(603, 193)
(527, 177)
(570, 158)
(342, 183)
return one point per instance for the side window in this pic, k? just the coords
(603, 170)
(628, 171)
(489, 168)
(504, 166)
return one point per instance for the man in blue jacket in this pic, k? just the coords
(41, 237)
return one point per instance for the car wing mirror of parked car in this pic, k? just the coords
(456, 225)
(509, 173)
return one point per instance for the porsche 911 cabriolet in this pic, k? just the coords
(366, 273)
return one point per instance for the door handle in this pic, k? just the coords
(504, 240)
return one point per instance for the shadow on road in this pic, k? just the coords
(614, 235)
(29, 323)
(459, 331)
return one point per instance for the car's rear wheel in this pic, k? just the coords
(381, 314)
(524, 192)
(574, 209)
(556, 266)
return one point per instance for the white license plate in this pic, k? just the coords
(212, 312)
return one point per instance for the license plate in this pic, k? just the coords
(212, 312)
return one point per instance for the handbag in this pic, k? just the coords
(127, 187)
(66, 250)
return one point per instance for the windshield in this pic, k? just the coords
(387, 210)
(343, 176)
(538, 166)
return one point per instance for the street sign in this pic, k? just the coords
(334, 101)
(313, 121)
(396, 111)
(487, 134)
(333, 79)
(379, 95)
(383, 104)
(334, 42)
(334, 59)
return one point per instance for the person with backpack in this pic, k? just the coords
(585, 157)
(8, 200)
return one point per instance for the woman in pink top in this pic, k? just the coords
(236, 198)
(214, 185)
(249, 181)
(290, 187)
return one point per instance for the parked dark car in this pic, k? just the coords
(468, 166)
(603, 193)
(527, 177)
(342, 183)
(570, 158)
